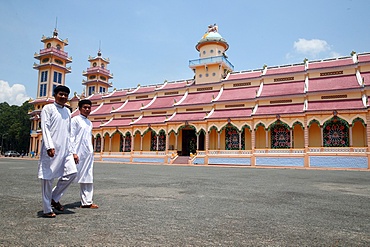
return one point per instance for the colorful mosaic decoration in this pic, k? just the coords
(335, 133)
(280, 136)
(127, 143)
(98, 144)
(162, 141)
(232, 138)
(153, 142)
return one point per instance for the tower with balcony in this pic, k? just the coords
(52, 69)
(97, 75)
(213, 65)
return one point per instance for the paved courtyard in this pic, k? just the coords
(163, 205)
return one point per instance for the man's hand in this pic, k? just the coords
(51, 152)
(75, 157)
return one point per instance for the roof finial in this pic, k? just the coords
(99, 51)
(55, 33)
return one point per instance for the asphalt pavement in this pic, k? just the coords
(178, 205)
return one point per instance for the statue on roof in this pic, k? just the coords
(212, 28)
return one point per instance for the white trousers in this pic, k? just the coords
(56, 193)
(86, 193)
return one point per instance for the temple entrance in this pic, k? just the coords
(189, 142)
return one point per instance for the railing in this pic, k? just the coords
(54, 50)
(218, 59)
(98, 69)
(338, 150)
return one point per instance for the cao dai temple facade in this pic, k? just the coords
(311, 114)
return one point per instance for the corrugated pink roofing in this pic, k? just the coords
(245, 75)
(116, 94)
(119, 122)
(330, 63)
(280, 89)
(96, 124)
(237, 94)
(144, 89)
(133, 105)
(285, 69)
(175, 85)
(350, 104)
(366, 77)
(364, 58)
(97, 96)
(279, 109)
(191, 116)
(106, 108)
(332, 83)
(231, 113)
(164, 102)
(199, 98)
(151, 120)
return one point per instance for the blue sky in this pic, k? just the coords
(148, 42)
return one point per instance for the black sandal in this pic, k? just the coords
(50, 215)
(57, 205)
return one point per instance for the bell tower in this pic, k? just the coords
(97, 75)
(52, 68)
(212, 66)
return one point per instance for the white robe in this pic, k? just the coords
(82, 146)
(56, 129)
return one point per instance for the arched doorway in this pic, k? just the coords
(189, 141)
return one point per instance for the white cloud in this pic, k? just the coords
(311, 47)
(13, 95)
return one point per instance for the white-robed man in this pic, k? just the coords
(56, 147)
(83, 153)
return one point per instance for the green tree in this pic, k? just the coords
(15, 126)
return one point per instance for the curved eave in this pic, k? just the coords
(96, 81)
(208, 42)
(67, 70)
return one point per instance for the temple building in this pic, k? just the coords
(309, 114)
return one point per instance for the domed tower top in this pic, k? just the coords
(212, 37)
(213, 65)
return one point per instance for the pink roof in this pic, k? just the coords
(119, 122)
(350, 104)
(200, 98)
(332, 83)
(237, 94)
(330, 63)
(133, 105)
(366, 77)
(285, 69)
(144, 89)
(151, 120)
(231, 113)
(106, 108)
(245, 75)
(96, 124)
(280, 89)
(116, 94)
(97, 96)
(188, 116)
(175, 85)
(164, 102)
(279, 109)
(364, 58)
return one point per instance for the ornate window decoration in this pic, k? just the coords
(127, 142)
(280, 135)
(153, 142)
(98, 144)
(162, 141)
(336, 133)
(231, 138)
